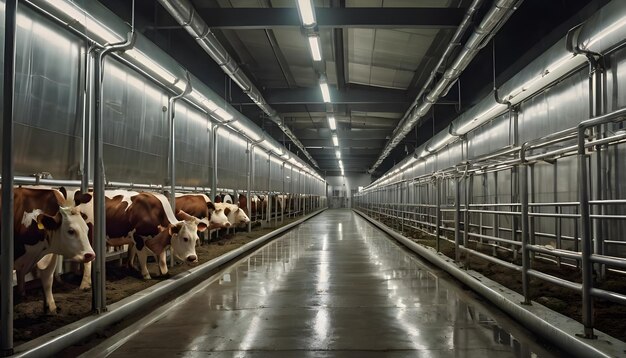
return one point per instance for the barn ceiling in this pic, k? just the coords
(376, 54)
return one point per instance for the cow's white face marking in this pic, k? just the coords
(71, 238)
(29, 219)
(218, 219)
(184, 241)
(241, 217)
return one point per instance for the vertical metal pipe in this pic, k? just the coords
(269, 188)
(283, 207)
(585, 223)
(469, 181)
(7, 244)
(438, 215)
(99, 238)
(87, 118)
(250, 152)
(457, 221)
(523, 190)
(171, 156)
(214, 136)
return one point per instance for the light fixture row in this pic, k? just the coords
(309, 22)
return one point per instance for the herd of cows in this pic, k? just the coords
(50, 222)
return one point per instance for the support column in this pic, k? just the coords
(6, 246)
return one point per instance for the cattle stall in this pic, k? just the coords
(96, 105)
(532, 177)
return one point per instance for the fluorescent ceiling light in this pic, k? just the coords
(340, 164)
(92, 26)
(335, 140)
(325, 91)
(307, 14)
(331, 123)
(314, 44)
(338, 154)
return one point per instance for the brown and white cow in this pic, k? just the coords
(147, 221)
(46, 225)
(200, 206)
(236, 216)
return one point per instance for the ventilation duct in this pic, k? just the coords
(491, 23)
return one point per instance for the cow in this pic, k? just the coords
(234, 213)
(200, 206)
(147, 221)
(243, 204)
(47, 224)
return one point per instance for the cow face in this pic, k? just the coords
(185, 236)
(68, 233)
(239, 217)
(218, 219)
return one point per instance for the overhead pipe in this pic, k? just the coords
(186, 15)
(600, 34)
(493, 20)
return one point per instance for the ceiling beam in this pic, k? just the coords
(263, 18)
(313, 95)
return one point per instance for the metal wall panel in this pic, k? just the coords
(135, 127)
(260, 170)
(47, 119)
(560, 107)
(231, 159)
(192, 134)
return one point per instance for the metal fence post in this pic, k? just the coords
(438, 214)
(457, 221)
(585, 230)
(523, 186)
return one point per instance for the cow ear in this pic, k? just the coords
(80, 198)
(63, 191)
(174, 229)
(49, 222)
(202, 226)
(226, 211)
(211, 206)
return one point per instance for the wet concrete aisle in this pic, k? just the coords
(335, 286)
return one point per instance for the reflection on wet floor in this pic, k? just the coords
(334, 286)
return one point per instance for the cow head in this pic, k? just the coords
(218, 219)
(68, 234)
(236, 216)
(185, 236)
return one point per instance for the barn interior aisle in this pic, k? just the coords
(333, 286)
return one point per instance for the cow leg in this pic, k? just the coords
(85, 283)
(132, 252)
(162, 260)
(46, 275)
(143, 263)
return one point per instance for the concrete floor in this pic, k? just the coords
(334, 286)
